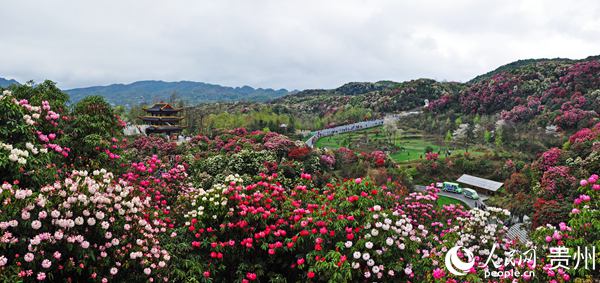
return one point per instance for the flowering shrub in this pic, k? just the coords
(557, 182)
(490, 96)
(582, 230)
(277, 142)
(236, 140)
(549, 158)
(431, 156)
(88, 227)
(245, 162)
(585, 134)
(568, 119)
(160, 183)
(345, 156)
(440, 104)
(328, 160)
(26, 150)
(208, 206)
(558, 171)
(299, 153)
(149, 145)
(377, 158)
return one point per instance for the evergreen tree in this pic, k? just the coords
(487, 136)
(498, 137)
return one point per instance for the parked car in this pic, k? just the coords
(452, 187)
(470, 193)
(439, 185)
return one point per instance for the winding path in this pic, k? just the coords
(356, 126)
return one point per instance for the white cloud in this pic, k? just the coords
(289, 44)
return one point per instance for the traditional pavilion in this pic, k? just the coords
(162, 118)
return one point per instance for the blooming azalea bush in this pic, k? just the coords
(345, 156)
(210, 205)
(376, 158)
(87, 227)
(27, 152)
(238, 139)
(549, 158)
(244, 162)
(431, 156)
(581, 231)
(299, 153)
(152, 145)
(161, 183)
(328, 160)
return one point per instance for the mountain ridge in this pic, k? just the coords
(146, 91)
(7, 82)
(524, 62)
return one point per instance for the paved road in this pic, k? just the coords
(355, 127)
(515, 232)
(470, 202)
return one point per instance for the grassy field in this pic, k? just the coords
(414, 143)
(443, 200)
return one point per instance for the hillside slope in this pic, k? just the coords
(527, 62)
(562, 92)
(382, 97)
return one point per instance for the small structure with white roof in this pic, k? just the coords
(480, 184)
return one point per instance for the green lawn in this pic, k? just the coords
(414, 144)
(336, 141)
(443, 200)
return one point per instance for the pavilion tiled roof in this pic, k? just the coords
(162, 107)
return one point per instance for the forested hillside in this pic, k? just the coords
(188, 91)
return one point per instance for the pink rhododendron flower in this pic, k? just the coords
(438, 273)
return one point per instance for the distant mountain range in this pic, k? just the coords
(188, 91)
(6, 82)
(146, 92)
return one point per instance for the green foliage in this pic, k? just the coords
(260, 119)
(458, 121)
(36, 93)
(428, 149)
(477, 119)
(93, 115)
(94, 127)
(487, 136)
(498, 141)
(448, 137)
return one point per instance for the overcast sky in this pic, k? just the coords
(285, 44)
